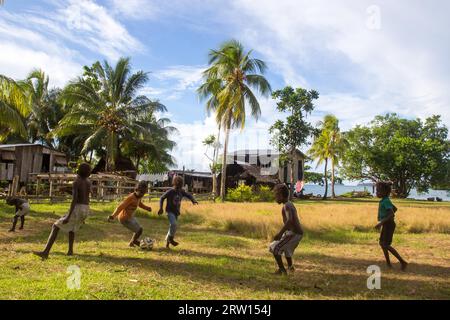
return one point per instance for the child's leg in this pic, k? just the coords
(172, 230)
(51, 240)
(13, 228)
(289, 262)
(279, 260)
(386, 256)
(71, 242)
(397, 255)
(135, 238)
(22, 222)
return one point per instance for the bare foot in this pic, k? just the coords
(280, 272)
(404, 265)
(42, 255)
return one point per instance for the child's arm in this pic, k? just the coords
(189, 196)
(122, 206)
(161, 202)
(388, 217)
(145, 207)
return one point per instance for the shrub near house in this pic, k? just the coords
(244, 193)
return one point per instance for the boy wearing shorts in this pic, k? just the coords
(126, 210)
(386, 216)
(22, 210)
(286, 241)
(78, 212)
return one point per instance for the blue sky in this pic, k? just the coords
(364, 57)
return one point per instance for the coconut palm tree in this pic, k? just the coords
(228, 84)
(336, 144)
(328, 146)
(321, 152)
(41, 119)
(14, 107)
(106, 109)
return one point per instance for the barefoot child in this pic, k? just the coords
(78, 212)
(174, 197)
(287, 240)
(125, 212)
(386, 215)
(22, 209)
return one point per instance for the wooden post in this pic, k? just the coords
(50, 191)
(37, 187)
(15, 186)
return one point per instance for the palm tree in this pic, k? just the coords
(106, 108)
(337, 144)
(328, 145)
(228, 84)
(320, 150)
(39, 121)
(14, 107)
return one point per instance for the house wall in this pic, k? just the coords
(285, 172)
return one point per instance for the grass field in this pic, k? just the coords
(223, 254)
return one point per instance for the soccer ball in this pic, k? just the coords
(147, 244)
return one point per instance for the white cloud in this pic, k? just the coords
(47, 39)
(173, 82)
(326, 44)
(135, 9)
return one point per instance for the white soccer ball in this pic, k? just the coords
(147, 244)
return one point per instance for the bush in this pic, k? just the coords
(266, 194)
(245, 193)
(242, 193)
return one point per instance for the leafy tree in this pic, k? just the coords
(409, 153)
(228, 84)
(107, 113)
(291, 134)
(15, 105)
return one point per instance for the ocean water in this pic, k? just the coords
(341, 189)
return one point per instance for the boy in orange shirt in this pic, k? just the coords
(125, 212)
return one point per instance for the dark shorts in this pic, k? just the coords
(387, 233)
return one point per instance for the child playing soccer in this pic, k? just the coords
(174, 197)
(386, 215)
(287, 240)
(78, 212)
(125, 212)
(22, 209)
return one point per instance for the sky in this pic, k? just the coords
(365, 58)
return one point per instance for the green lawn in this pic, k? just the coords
(213, 262)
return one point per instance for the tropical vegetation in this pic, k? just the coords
(228, 87)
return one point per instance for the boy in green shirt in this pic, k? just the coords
(386, 215)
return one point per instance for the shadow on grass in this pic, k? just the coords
(343, 278)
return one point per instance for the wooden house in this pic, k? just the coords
(262, 167)
(22, 159)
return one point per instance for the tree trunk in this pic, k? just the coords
(224, 164)
(326, 180)
(291, 189)
(215, 157)
(333, 194)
